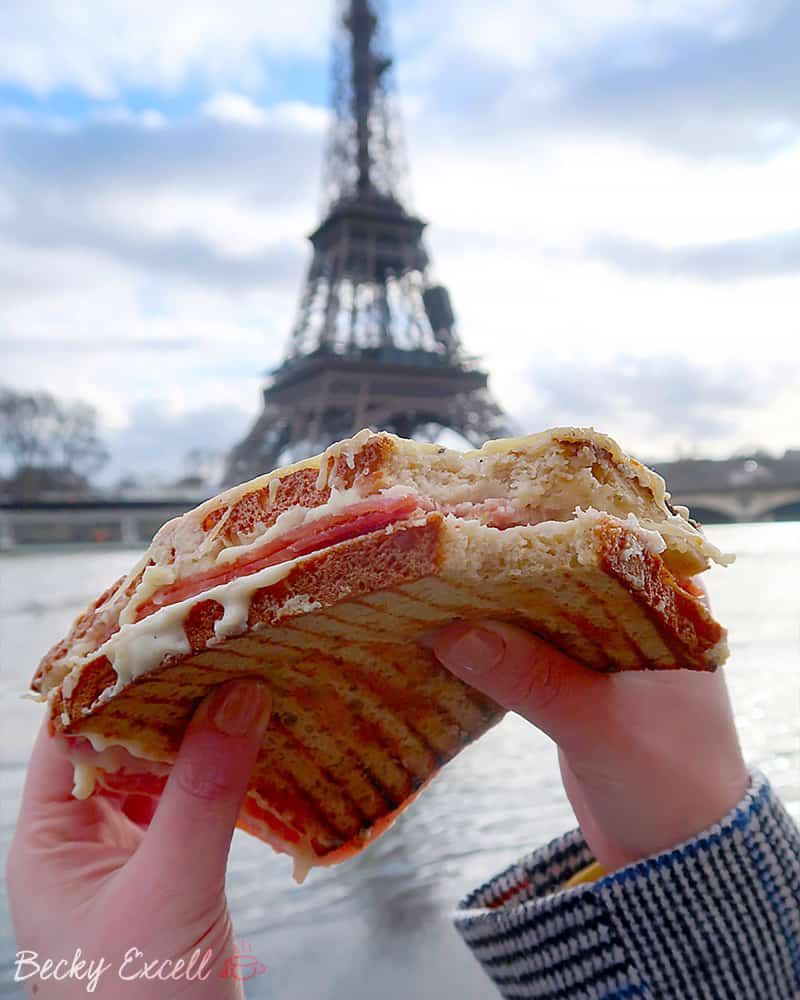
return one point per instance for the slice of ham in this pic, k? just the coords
(116, 772)
(360, 518)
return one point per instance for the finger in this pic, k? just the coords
(189, 837)
(50, 776)
(524, 674)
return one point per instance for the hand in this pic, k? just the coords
(648, 759)
(85, 875)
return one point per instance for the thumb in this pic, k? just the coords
(525, 674)
(188, 840)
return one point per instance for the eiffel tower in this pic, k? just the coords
(375, 341)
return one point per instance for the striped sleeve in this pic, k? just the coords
(717, 918)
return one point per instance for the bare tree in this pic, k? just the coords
(48, 440)
(26, 427)
(76, 444)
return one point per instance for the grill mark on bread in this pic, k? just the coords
(466, 597)
(639, 655)
(615, 606)
(619, 629)
(279, 785)
(166, 727)
(386, 719)
(331, 751)
(332, 669)
(330, 797)
(332, 763)
(664, 657)
(438, 754)
(461, 716)
(361, 675)
(291, 695)
(594, 634)
(586, 650)
(321, 817)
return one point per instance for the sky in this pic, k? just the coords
(611, 190)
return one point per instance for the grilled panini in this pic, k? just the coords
(321, 578)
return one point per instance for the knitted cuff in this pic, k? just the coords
(717, 918)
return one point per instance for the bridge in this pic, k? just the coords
(130, 523)
(756, 505)
(755, 488)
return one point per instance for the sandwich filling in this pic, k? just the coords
(369, 483)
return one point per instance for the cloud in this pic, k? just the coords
(234, 108)
(103, 47)
(156, 439)
(706, 79)
(154, 259)
(730, 261)
(523, 35)
(703, 96)
(657, 402)
(97, 154)
(180, 256)
(208, 199)
(72, 346)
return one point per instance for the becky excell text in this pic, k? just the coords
(134, 967)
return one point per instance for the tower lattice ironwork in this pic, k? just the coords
(375, 341)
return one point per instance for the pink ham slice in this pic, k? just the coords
(361, 518)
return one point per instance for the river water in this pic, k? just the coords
(378, 925)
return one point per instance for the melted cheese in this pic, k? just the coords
(109, 756)
(139, 647)
(85, 778)
(348, 449)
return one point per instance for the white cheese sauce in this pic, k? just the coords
(348, 449)
(139, 647)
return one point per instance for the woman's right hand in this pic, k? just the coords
(649, 759)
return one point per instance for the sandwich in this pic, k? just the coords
(325, 577)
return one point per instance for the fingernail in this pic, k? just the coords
(475, 650)
(236, 708)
